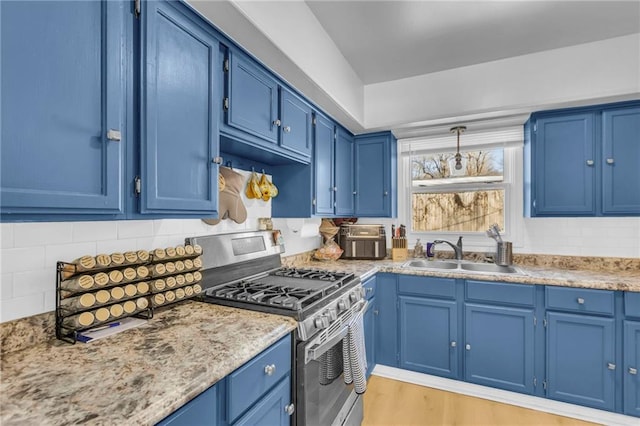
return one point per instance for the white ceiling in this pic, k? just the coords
(390, 40)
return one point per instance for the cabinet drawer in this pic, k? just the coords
(428, 286)
(580, 300)
(369, 288)
(512, 294)
(632, 304)
(248, 383)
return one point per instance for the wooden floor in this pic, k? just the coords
(391, 402)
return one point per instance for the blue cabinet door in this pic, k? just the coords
(323, 155)
(62, 93)
(499, 347)
(620, 160)
(581, 360)
(429, 336)
(271, 409)
(374, 186)
(564, 165)
(387, 320)
(631, 344)
(253, 98)
(344, 178)
(179, 130)
(370, 334)
(202, 410)
(296, 117)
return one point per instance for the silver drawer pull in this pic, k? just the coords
(289, 409)
(590, 162)
(114, 135)
(468, 347)
(580, 301)
(276, 123)
(286, 129)
(610, 161)
(454, 344)
(270, 369)
(633, 371)
(611, 366)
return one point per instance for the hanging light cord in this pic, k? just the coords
(458, 156)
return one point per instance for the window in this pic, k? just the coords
(438, 201)
(467, 200)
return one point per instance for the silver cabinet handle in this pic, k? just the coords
(610, 161)
(270, 369)
(454, 344)
(355, 193)
(335, 189)
(368, 290)
(217, 160)
(611, 366)
(590, 162)
(277, 123)
(376, 312)
(468, 347)
(289, 409)
(386, 193)
(286, 129)
(633, 371)
(580, 301)
(114, 135)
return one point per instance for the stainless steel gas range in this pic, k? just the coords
(244, 270)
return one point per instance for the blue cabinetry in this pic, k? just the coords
(631, 366)
(387, 321)
(370, 323)
(581, 359)
(62, 109)
(583, 161)
(202, 410)
(296, 118)
(179, 99)
(271, 409)
(344, 177)
(375, 175)
(323, 165)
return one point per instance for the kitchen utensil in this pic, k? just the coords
(504, 254)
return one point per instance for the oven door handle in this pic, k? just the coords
(316, 351)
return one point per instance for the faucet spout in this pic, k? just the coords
(457, 248)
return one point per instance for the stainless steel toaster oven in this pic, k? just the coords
(362, 241)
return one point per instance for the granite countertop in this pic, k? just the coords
(624, 280)
(138, 376)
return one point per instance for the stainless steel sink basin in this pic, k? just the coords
(489, 267)
(454, 266)
(433, 264)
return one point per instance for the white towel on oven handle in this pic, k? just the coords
(355, 355)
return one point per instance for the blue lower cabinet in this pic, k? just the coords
(499, 347)
(581, 360)
(370, 334)
(274, 409)
(387, 320)
(631, 366)
(429, 336)
(202, 410)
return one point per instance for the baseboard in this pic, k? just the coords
(513, 398)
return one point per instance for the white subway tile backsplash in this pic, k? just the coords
(6, 235)
(135, 229)
(68, 252)
(40, 234)
(94, 231)
(20, 307)
(6, 286)
(50, 300)
(22, 259)
(33, 282)
(111, 246)
(167, 227)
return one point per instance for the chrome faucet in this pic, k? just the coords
(457, 248)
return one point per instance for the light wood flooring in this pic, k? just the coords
(391, 402)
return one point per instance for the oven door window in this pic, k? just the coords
(325, 392)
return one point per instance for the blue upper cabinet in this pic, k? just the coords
(344, 175)
(621, 165)
(62, 110)
(565, 165)
(583, 161)
(323, 158)
(375, 175)
(252, 98)
(179, 133)
(296, 118)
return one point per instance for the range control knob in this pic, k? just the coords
(353, 297)
(331, 314)
(342, 306)
(321, 322)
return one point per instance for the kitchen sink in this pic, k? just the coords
(455, 266)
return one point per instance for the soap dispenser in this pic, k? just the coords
(418, 250)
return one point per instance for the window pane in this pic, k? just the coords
(439, 168)
(468, 211)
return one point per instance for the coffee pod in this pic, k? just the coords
(158, 299)
(188, 277)
(117, 258)
(158, 285)
(82, 264)
(102, 314)
(180, 251)
(84, 319)
(170, 281)
(197, 276)
(158, 269)
(115, 277)
(179, 265)
(103, 260)
(170, 296)
(143, 255)
(197, 289)
(101, 279)
(197, 262)
(159, 254)
(130, 290)
(117, 293)
(143, 287)
(171, 252)
(180, 279)
(188, 291)
(116, 310)
(129, 274)
(142, 303)
(170, 267)
(130, 257)
(81, 283)
(103, 296)
(188, 249)
(142, 271)
(197, 249)
(180, 293)
(129, 306)
(188, 264)
(85, 301)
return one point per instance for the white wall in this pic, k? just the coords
(607, 69)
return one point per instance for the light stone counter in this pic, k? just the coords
(624, 279)
(136, 377)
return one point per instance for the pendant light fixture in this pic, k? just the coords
(458, 156)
